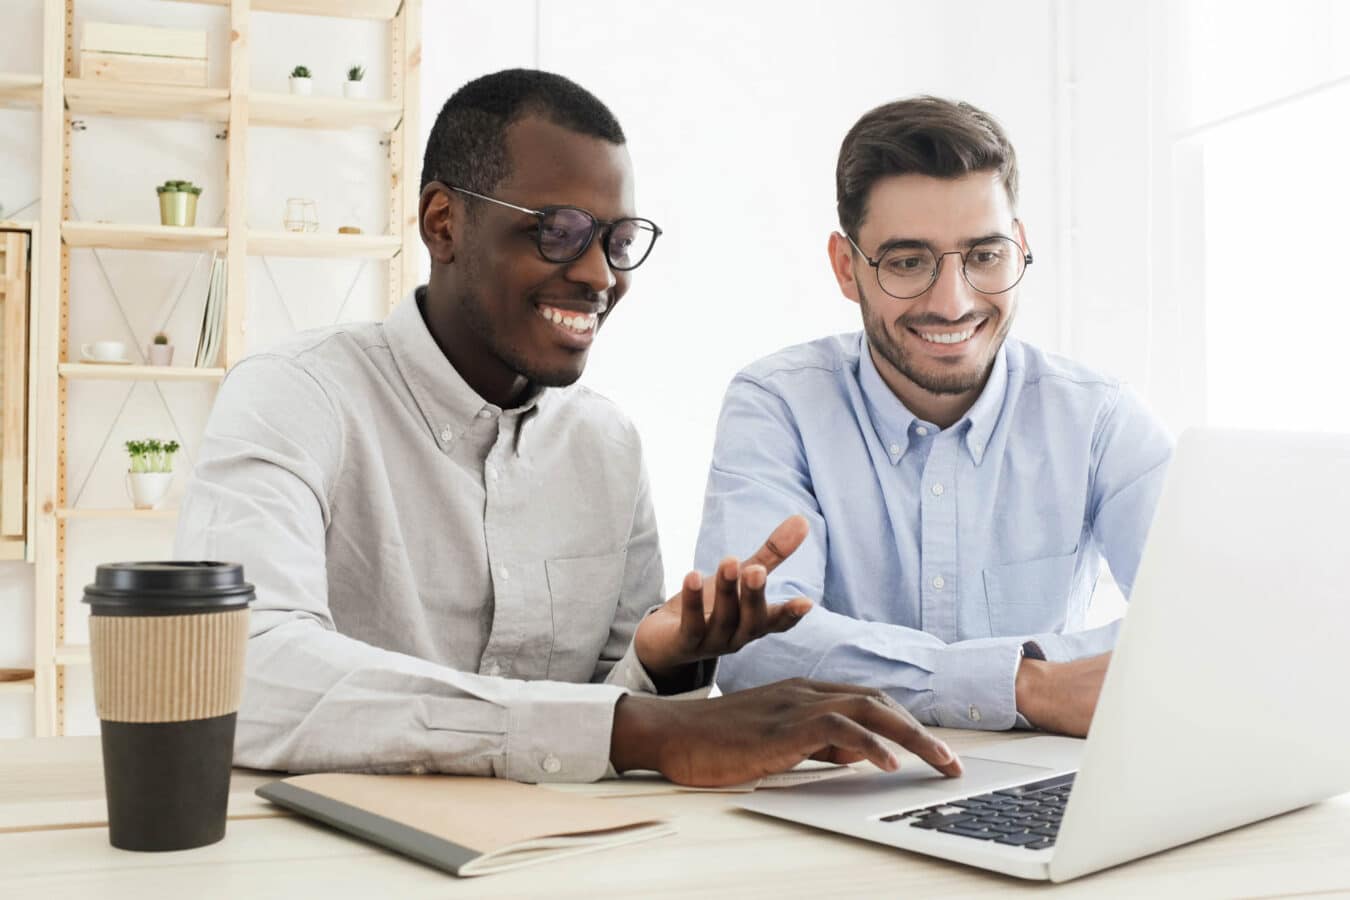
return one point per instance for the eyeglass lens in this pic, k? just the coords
(991, 267)
(566, 233)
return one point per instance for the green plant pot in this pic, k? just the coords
(178, 208)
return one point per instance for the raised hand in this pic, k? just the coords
(709, 618)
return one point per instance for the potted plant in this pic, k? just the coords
(178, 203)
(301, 83)
(160, 350)
(151, 470)
(354, 88)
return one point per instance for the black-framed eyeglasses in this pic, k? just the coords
(906, 269)
(566, 232)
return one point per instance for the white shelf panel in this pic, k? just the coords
(72, 654)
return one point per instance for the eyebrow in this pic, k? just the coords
(898, 243)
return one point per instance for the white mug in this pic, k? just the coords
(104, 351)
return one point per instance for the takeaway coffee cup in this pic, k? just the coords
(167, 645)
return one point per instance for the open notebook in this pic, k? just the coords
(465, 826)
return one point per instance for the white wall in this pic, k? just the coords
(734, 114)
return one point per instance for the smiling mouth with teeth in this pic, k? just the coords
(575, 322)
(954, 337)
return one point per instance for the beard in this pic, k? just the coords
(938, 380)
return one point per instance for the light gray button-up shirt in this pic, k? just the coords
(439, 581)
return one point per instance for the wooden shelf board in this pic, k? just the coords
(146, 101)
(115, 236)
(17, 687)
(20, 91)
(72, 655)
(104, 372)
(291, 111)
(127, 513)
(345, 9)
(287, 243)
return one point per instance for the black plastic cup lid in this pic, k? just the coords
(167, 588)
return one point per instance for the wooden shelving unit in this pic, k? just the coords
(64, 99)
(105, 372)
(132, 514)
(20, 91)
(115, 236)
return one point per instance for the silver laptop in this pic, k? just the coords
(1222, 705)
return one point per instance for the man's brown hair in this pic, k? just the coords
(920, 135)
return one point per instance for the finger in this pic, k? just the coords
(753, 610)
(880, 714)
(726, 612)
(837, 736)
(692, 625)
(783, 616)
(786, 538)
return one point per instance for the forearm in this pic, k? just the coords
(969, 684)
(315, 700)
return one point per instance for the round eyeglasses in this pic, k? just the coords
(991, 266)
(565, 233)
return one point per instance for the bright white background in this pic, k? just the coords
(1182, 177)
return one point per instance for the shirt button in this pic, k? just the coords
(551, 764)
(895, 449)
(503, 574)
(938, 489)
(921, 431)
(418, 770)
(492, 472)
(485, 414)
(447, 435)
(974, 714)
(494, 670)
(939, 582)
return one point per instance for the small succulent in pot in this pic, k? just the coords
(354, 88)
(301, 81)
(150, 471)
(178, 203)
(160, 350)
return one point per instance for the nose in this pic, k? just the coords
(592, 268)
(950, 296)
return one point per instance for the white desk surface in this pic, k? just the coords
(719, 851)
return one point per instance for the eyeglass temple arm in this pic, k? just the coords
(524, 209)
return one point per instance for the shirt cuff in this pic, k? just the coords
(976, 687)
(629, 673)
(562, 737)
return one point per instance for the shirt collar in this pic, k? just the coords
(447, 403)
(893, 421)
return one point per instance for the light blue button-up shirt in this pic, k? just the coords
(934, 554)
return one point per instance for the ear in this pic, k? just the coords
(439, 215)
(1022, 235)
(842, 264)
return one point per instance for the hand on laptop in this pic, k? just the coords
(1061, 696)
(746, 735)
(709, 618)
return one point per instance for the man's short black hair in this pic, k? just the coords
(467, 146)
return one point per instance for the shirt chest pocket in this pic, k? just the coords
(1031, 597)
(583, 596)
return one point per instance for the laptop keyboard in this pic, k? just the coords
(1027, 815)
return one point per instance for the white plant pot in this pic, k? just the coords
(302, 86)
(354, 90)
(147, 488)
(160, 354)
